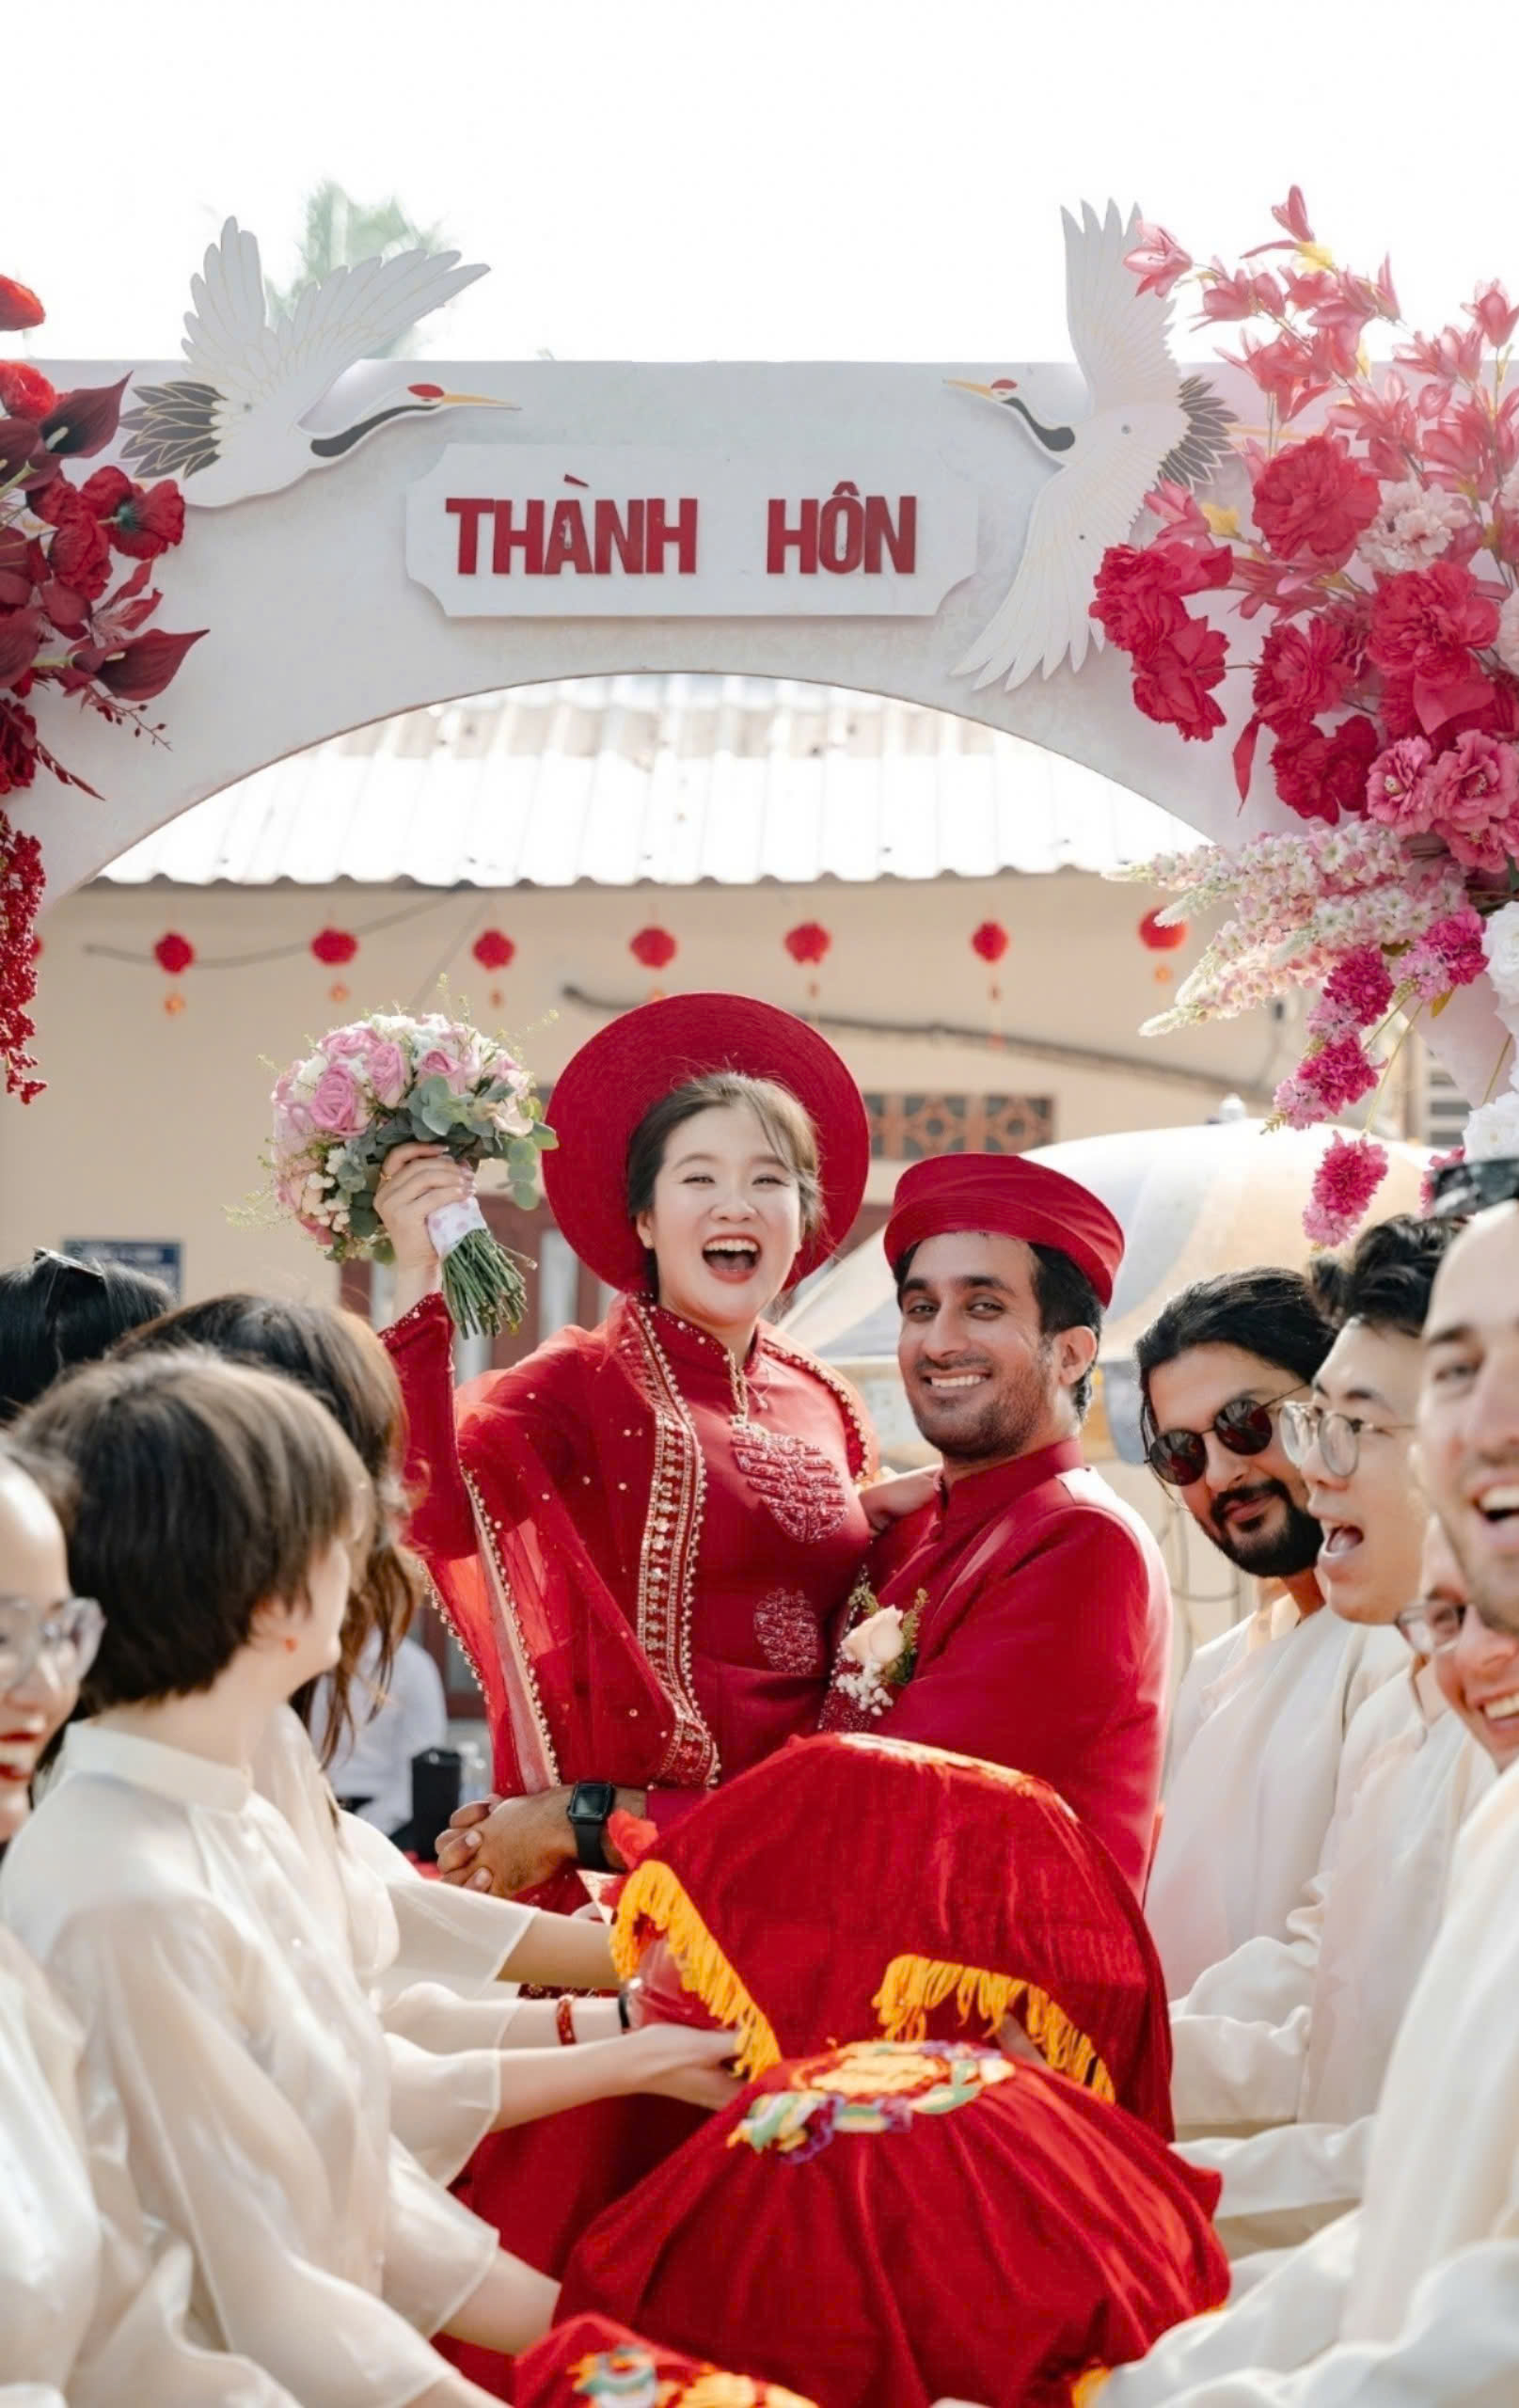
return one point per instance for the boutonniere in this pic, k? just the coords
(880, 1656)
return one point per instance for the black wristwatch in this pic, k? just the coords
(590, 1803)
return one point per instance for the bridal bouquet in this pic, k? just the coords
(390, 1080)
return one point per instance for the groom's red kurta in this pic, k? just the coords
(1043, 1640)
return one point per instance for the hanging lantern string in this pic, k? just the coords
(287, 952)
(1037, 1049)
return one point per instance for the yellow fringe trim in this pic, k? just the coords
(911, 1986)
(653, 1894)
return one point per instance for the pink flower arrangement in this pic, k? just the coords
(1349, 1174)
(1380, 540)
(391, 1079)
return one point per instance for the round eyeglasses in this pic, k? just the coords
(65, 1638)
(1338, 1436)
(1431, 1625)
(1244, 1426)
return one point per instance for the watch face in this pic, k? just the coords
(593, 1801)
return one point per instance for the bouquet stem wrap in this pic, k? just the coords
(483, 1283)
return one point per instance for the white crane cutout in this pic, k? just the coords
(1146, 422)
(233, 427)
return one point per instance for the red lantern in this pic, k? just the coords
(494, 949)
(334, 946)
(1159, 936)
(173, 953)
(654, 947)
(991, 940)
(809, 941)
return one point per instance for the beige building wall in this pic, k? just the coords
(153, 1119)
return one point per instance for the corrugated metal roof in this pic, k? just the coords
(661, 780)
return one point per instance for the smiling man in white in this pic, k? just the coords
(1294, 2033)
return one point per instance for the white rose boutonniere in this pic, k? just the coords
(877, 1657)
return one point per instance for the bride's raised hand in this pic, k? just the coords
(416, 1181)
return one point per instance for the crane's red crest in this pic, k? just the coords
(1005, 385)
(427, 392)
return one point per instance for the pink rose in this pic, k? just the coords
(345, 1042)
(293, 1124)
(437, 1064)
(337, 1106)
(387, 1067)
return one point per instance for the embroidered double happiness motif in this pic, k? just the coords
(786, 1630)
(799, 1485)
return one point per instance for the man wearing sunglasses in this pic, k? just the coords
(1261, 1716)
(1294, 2033)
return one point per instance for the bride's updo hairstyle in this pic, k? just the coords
(788, 1132)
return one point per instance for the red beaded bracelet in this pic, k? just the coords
(564, 2022)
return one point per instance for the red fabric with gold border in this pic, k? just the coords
(852, 1886)
(592, 2360)
(898, 2223)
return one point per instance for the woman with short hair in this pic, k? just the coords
(219, 1514)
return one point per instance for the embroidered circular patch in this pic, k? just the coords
(872, 2086)
(786, 1630)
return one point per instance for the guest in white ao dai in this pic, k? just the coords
(167, 1900)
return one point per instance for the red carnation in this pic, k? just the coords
(1172, 683)
(1139, 590)
(24, 391)
(79, 555)
(1315, 500)
(1303, 671)
(142, 669)
(18, 748)
(1348, 758)
(1425, 621)
(19, 308)
(1320, 776)
(144, 520)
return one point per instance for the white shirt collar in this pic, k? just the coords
(173, 1772)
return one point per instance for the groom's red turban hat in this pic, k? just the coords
(1012, 1197)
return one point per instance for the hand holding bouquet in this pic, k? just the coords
(391, 1079)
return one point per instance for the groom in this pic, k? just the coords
(1036, 1611)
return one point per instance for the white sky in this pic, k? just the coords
(747, 179)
